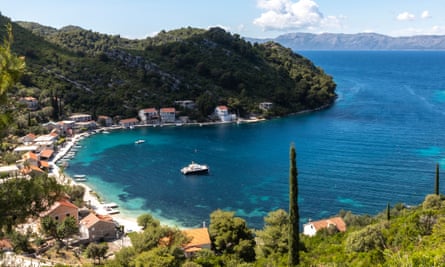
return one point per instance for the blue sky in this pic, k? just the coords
(249, 18)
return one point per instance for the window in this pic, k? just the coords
(56, 218)
(67, 215)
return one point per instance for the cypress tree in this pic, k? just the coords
(294, 217)
(437, 179)
(388, 212)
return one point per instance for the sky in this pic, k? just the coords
(137, 19)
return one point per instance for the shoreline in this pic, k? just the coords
(91, 197)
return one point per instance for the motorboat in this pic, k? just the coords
(140, 141)
(195, 168)
(80, 178)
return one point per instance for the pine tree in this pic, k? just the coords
(294, 217)
(437, 179)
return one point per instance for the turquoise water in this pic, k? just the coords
(379, 143)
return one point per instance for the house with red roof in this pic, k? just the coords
(312, 227)
(46, 154)
(96, 227)
(148, 115)
(128, 123)
(199, 239)
(62, 209)
(222, 112)
(31, 159)
(168, 115)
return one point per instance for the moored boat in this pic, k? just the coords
(140, 141)
(80, 178)
(195, 168)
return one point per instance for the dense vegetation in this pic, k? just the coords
(76, 70)
(70, 77)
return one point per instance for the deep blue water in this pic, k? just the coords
(379, 143)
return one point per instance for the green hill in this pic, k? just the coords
(102, 74)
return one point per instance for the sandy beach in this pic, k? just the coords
(90, 198)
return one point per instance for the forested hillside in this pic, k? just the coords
(76, 70)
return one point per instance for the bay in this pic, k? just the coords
(378, 144)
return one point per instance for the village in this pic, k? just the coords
(98, 221)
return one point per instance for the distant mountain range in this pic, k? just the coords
(359, 41)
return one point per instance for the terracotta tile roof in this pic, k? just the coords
(5, 244)
(337, 221)
(66, 203)
(92, 219)
(167, 110)
(56, 205)
(44, 164)
(31, 135)
(29, 169)
(128, 120)
(200, 237)
(150, 110)
(47, 153)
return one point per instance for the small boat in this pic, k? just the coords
(80, 178)
(110, 205)
(195, 168)
(140, 141)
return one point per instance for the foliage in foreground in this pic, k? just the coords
(413, 237)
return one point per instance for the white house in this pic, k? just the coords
(81, 117)
(222, 112)
(311, 228)
(265, 105)
(148, 115)
(167, 115)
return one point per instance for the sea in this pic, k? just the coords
(378, 144)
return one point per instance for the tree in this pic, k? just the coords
(388, 212)
(21, 198)
(274, 236)
(157, 257)
(294, 217)
(437, 179)
(59, 231)
(96, 251)
(11, 68)
(146, 220)
(230, 235)
(67, 228)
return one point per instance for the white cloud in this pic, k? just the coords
(425, 15)
(406, 16)
(289, 15)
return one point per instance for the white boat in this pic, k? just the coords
(195, 168)
(140, 141)
(111, 205)
(106, 211)
(80, 178)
